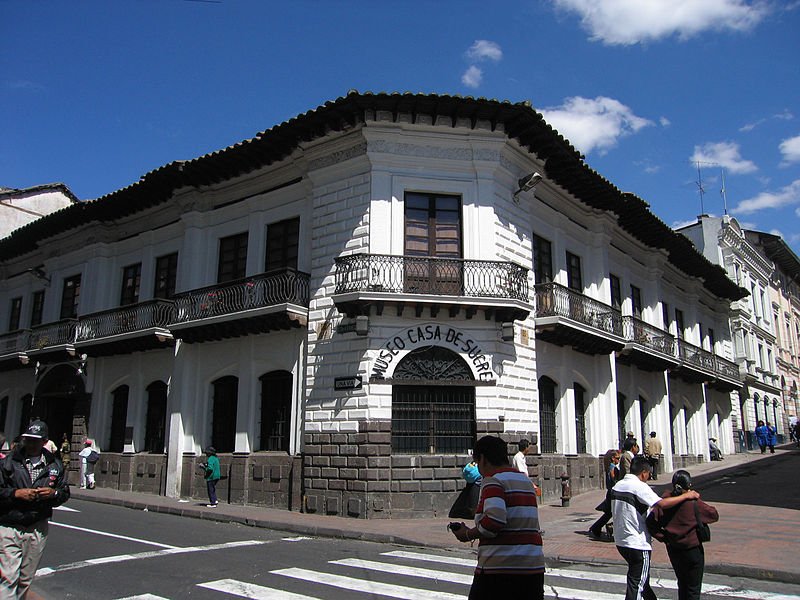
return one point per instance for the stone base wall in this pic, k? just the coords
(131, 472)
(684, 461)
(263, 479)
(356, 475)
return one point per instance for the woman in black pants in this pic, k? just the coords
(677, 528)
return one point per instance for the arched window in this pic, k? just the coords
(547, 415)
(3, 413)
(672, 425)
(756, 400)
(580, 417)
(156, 421)
(25, 414)
(276, 410)
(621, 413)
(431, 418)
(119, 415)
(644, 409)
(223, 413)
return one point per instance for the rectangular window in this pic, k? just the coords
(679, 323)
(70, 297)
(711, 339)
(433, 419)
(119, 416)
(37, 308)
(580, 418)
(574, 277)
(616, 292)
(432, 225)
(166, 275)
(433, 230)
(131, 279)
(665, 315)
(232, 258)
(282, 245)
(636, 302)
(542, 260)
(14, 314)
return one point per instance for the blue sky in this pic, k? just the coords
(95, 94)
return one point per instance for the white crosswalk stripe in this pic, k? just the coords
(413, 576)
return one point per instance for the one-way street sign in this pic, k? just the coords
(347, 383)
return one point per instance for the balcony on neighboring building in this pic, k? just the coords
(646, 346)
(52, 339)
(697, 365)
(451, 285)
(267, 302)
(12, 348)
(132, 328)
(568, 318)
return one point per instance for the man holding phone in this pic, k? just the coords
(510, 556)
(32, 482)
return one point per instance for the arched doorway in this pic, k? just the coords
(60, 397)
(432, 414)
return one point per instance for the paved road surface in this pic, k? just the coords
(106, 552)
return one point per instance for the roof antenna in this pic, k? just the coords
(723, 191)
(700, 188)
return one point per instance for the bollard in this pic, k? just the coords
(566, 490)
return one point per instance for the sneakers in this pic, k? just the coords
(595, 535)
(212, 505)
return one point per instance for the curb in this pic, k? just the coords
(730, 570)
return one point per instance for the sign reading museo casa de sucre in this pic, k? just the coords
(431, 334)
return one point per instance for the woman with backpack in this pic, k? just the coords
(89, 457)
(683, 529)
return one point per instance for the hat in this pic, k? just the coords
(37, 429)
(88, 442)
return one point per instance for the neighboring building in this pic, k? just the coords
(343, 303)
(20, 207)
(723, 242)
(785, 299)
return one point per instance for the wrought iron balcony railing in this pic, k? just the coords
(696, 356)
(60, 333)
(553, 299)
(727, 368)
(637, 331)
(126, 319)
(268, 289)
(16, 341)
(431, 276)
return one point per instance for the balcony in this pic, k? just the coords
(363, 281)
(267, 302)
(132, 328)
(647, 347)
(52, 338)
(12, 348)
(567, 318)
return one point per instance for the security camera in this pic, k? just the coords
(529, 182)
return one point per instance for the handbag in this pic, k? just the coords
(465, 504)
(703, 530)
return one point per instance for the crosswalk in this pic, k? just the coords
(415, 575)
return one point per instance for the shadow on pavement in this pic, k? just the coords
(772, 481)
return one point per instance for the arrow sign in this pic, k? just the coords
(347, 383)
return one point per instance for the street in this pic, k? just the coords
(100, 551)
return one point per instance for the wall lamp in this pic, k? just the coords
(507, 331)
(362, 325)
(526, 184)
(39, 273)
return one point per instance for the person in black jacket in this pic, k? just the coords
(32, 482)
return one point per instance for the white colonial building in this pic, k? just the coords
(19, 207)
(343, 303)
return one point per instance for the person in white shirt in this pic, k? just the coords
(631, 501)
(519, 458)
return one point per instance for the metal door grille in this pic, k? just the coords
(547, 415)
(433, 419)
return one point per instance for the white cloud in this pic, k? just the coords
(790, 148)
(485, 50)
(591, 124)
(626, 22)
(472, 77)
(786, 196)
(724, 154)
(664, 121)
(782, 116)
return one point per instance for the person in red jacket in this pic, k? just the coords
(677, 528)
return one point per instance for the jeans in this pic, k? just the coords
(211, 485)
(492, 587)
(638, 574)
(688, 565)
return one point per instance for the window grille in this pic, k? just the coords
(547, 415)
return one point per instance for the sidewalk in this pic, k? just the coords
(752, 538)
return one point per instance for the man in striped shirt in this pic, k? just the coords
(510, 556)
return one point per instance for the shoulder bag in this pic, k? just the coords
(703, 530)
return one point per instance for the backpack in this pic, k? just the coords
(93, 457)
